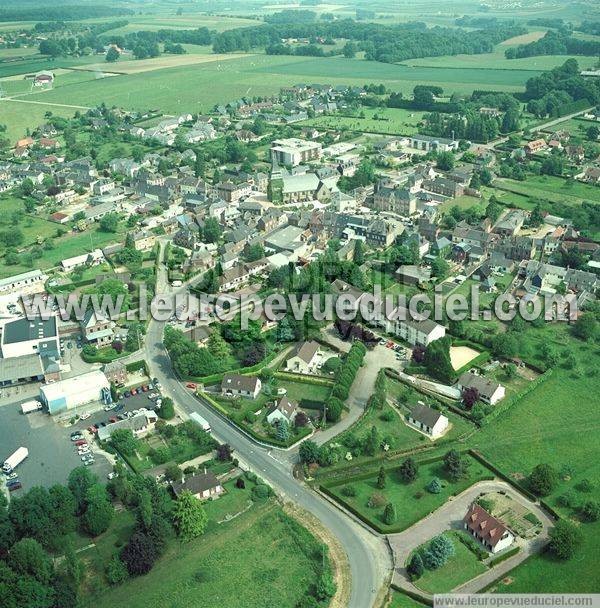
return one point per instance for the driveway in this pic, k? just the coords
(362, 387)
(449, 517)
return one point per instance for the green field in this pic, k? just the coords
(19, 116)
(460, 568)
(388, 121)
(399, 600)
(412, 501)
(552, 189)
(199, 87)
(236, 564)
(497, 61)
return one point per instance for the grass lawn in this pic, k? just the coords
(19, 116)
(234, 501)
(389, 121)
(390, 285)
(544, 572)
(552, 189)
(412, 501)
(460, 568)
(300, 391)
(236, 565)
(399, 600)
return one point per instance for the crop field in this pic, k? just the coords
(198, 87)
(523, 39)
(135, 66)
(389, 121)
(153, 23)
(497, 61)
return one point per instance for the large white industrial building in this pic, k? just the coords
(74, 392)
(30, 337)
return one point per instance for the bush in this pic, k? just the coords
(116, 571)
(434, 486)
(261, 491)
(389, 515)
(565, 538)
(377, 499)
(348, 491)
(590, 511)
(167, 409)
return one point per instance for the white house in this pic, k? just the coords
(428, 421)
(488, 530)
(489, 391)
(304, 358)
(94, 258)
(422, 332)
(236, 385)
(284, 410)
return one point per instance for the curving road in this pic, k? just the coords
(367, 555)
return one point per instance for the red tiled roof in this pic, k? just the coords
(484, 525)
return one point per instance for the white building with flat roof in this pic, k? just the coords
(73, 392)
(26, 282)
(294, 151)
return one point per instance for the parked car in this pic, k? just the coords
(119, 407)
(16, 486)
(191, 385)
(134, 391)
(88, 463)
(75, 436)
(85, 415)
(112, 475)
(81, 442)
(145, 388)
(127, 394)
(113, 419)
(92, 429)
(12, 482)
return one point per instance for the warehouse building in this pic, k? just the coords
(25, 337)
(74, 392)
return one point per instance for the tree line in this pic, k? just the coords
(555, 43)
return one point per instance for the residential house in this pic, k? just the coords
(143, 240)
(488, 530)
(428, 143)
(535, 146)
(489, 391)
(411, 274)
(510, 224)
(396, 199)
(414, 331)
(236, 385)
(203, 486)
(93, 258)
(284, 410)
(97, 329)
(427, 420)
(517, 248)
(116, 372)
(304, 358)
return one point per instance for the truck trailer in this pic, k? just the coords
(31, 406)
(14, 460)
(204, 425)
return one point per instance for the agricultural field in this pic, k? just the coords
(233, 564)
(497, 61)
(387, 121)
(460, 568)
(412, 501)
(205, 82)
(575, 126)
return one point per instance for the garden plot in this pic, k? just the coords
(514, 514)
(461, 355)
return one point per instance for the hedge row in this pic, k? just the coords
(500, 558)
(485, 462)
(102, 357)
(135, 366)
(318, 380)
(550, 509)
(423, 599)
(476, 362)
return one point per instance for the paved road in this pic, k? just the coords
(367, 555)
(449, 516)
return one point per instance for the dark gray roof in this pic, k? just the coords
(23, 330)
(196, 484)
(426, 415)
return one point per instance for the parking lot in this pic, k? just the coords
(52, 454)
(125, 405)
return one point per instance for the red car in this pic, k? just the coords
(145, 388)
(81, 442)
(134, 391)
(191, 385)
(113, 419)
(92, 429)
(15, 486)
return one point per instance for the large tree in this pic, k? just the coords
(565, 537)
(543, 479)
(189, 516)
(139, 554)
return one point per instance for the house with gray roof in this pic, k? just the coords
(427, 420)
